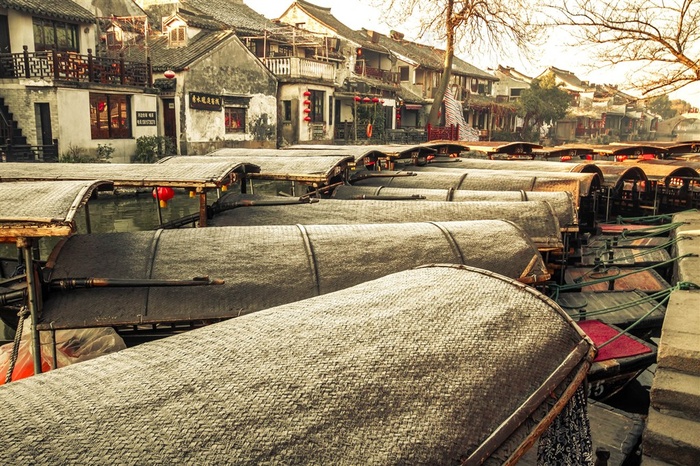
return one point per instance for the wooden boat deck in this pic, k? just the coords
(629, 279)
(589, 304)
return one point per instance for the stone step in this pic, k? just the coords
(676, 392)
(671, 439)
(649, 461)
(679, 348)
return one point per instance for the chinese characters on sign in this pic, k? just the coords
(205, 101)
(145, 118)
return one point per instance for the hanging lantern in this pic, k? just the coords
(170, 74)
(307, 102)
(357, 98)
(307, 94)
(366, 100)
(307, 110)
(164, 194)
(192, 193)
(375, 99)
(381, 101)
(307, 118)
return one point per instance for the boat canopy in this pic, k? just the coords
(372, 151)
(35, 210)
(536, 218)
(588, 182)
(491, 148)
(472, 364)
(298, 262)
(562, 202)
(474, 180)
(318, 169)
(528, 165)
(616, 175)
(665, 173)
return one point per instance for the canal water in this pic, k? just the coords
(122, 212)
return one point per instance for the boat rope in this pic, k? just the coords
(619, 307)
(650, 231)
(620, 220)
(23, 314)
(579, 283)
(678, 286)
(600, 252)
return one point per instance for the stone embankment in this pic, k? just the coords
(672, 433)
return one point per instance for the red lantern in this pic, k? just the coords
(381, 101)
(307, 94)
(375, 99)
(164, 194)
(366, 100)
(170, 74)
(357, 98)
(307, 110)
(307, 118)
(307, 102)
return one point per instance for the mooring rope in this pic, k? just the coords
(23, 313)
(620, 220)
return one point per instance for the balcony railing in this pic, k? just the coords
(385, 76)
(74, 67)
(295, 67)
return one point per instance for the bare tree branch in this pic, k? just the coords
(661, 38)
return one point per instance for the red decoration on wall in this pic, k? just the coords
(307, 118)
(170, 74)
(307, 102)
(358, 98)
(307, 93)
(375, 99)
(307, 110)
(366, 100)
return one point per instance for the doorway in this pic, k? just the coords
(169, 120)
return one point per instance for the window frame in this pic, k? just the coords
(229, 129)
(49, 29)
(102, 120)
(317, 106)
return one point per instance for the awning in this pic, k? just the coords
(413, 106)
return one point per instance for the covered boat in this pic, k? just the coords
(298, 262)
(561, 201)
(536, 218)
(435, 365)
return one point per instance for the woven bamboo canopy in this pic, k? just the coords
(588, 182)
(395, 151)
(527, 165)
(319, 169)
(536, 218)
(615, 175)
(473, 180)
(562, 202)
(35, 210)
(297, 262)
(426, 366)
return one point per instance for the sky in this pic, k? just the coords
(358, 14)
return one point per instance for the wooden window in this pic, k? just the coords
(287, 110)
(317, 99)
(178, 36)
(110, 116)
(234, 119)
(403, 73)
(49, 34)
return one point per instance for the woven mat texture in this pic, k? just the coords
(536, 218)
(30, 200)
(413, 368)
(562, 202)
(266, 266)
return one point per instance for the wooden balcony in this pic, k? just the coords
(73, 67)
(385, 76)
(295, 67)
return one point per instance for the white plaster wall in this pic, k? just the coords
(21, 31)
(208, 126)
(74, 124)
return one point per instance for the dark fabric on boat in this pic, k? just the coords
(536, 218)
(419, 367)
(562, 202)
(297, 262)
(567, 442)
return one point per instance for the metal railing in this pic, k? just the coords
(25, 153)
(73, 67)
(385, 76)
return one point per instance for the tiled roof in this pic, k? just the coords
(177, 58)
(428, 57)
(62, 9)
(324, 15)
(235, 14)
(201, 21)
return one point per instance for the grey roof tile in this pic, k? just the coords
(61, 9)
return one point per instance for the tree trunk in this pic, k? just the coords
(447, 66)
